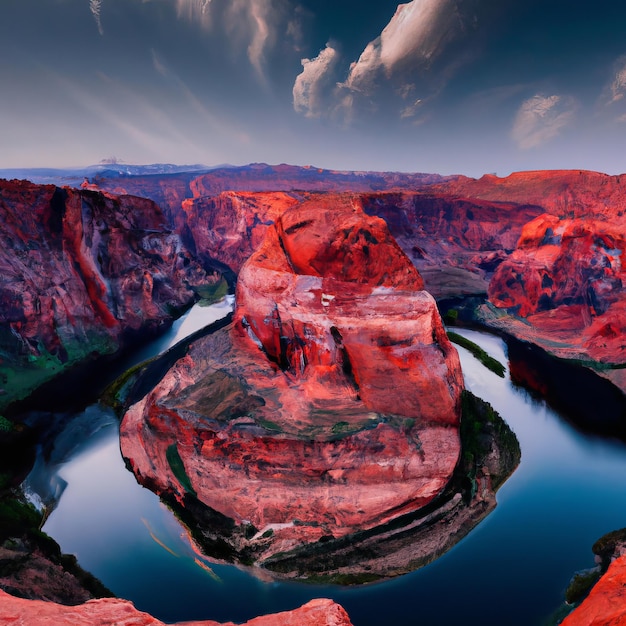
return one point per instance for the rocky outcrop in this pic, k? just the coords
(566, 278)
(80, 273)
(106, 612)
(284, 425)
(606, 603)
(562, 288)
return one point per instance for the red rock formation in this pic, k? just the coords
(305, 438)
(230, 226)
(566, 193)
(78, 271)
(606, 603)
(108, 612)
(566, 279)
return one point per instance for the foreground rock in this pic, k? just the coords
(606, 603)
(107, 612)
(81, 273)
(331, 405)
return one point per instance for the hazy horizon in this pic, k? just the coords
(447, 86)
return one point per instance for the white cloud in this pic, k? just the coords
(194, 10)
(95, 6)
(541, 118)
(250, 24)
(618, 86)
(310, 84)
(418, 32)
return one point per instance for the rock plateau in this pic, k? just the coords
(330, 406)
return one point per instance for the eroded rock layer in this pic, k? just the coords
(79, 272)
(331, 404)
(109, 611)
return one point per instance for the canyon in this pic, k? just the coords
(546, 246)
(83, 275)
(331, 313)
(281, 423)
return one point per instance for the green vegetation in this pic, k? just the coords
(212, 293)
(451, 316)
(116, 394)
(481, 427)
(269, 425)
(177, 467)
(581, 585)
(488, 361)
(6, 426)
(340, 427)
(362, 578)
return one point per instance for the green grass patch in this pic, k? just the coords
(269, 425)
(177, 467)
(6, 426)
(210, 294)
(451, 316)
(488, 361)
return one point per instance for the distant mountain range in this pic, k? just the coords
(73, 176)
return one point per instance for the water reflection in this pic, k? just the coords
(512, 569)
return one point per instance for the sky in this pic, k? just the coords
(445, 86)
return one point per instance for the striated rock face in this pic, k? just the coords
(228, 227)
(330, 406)
(79, 272)
(109, 611)
(606, 603)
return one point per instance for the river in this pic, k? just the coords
(512, 569)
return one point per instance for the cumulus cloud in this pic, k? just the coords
(95, 6)
(418, 32)
(310, 84)
(541, 118)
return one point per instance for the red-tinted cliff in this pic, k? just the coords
(106, 612)
(79, 272)
(332, 404)
(606, 603)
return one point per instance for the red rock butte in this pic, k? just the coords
(332, 403)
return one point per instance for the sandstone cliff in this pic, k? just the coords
(563, 286)
(106, 612)
(330, 406)
(80, 273)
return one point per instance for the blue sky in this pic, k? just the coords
(448, 86)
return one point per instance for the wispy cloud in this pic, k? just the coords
(95, 6)
(311, 83)
(252, 25)
(618, 84)
(541, 118)
(195, 10)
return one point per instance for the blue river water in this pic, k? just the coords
(512, 569)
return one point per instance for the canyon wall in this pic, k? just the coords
(81, 273)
